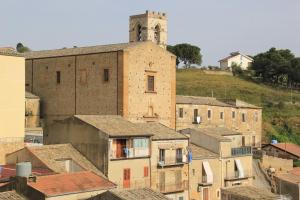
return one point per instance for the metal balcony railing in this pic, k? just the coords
(239, 151)
(131, 153)
(167, 161)
(172, 187)
(236, 175)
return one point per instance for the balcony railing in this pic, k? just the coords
(236, 176)
(173, 187)
(239, 151)
(173, 160)
(134, 184)
(131, 153)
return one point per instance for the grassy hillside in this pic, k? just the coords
(281, 118)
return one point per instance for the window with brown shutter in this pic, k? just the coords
(146, 171)
(150, 83)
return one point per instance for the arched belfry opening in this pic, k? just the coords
(138, 32)
(157, 34)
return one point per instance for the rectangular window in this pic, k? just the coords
(57, 77)
(253, 141)
(243, 117)
(106, 75)
(195, 115)
(151, 83)
(256, 117)
(178, 155)
(126, 178)
(243, 141)
(221, 115)
(181, 112)
(233, 114)
(161, 155)
(209, 114)
(146, 171)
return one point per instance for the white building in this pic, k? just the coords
(237, 58)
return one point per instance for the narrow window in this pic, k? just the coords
(233, 114)
(221, 115)
(146, 171)
(195, 115)
(161, 155)
(243, 117)
(256, 117)
(178, 155)
(151, 83)
(209, 114)
(139, 33)
(253, 141)
(243, 141)
(57, 77)
(106, 75)
(157, 34)
(181, 112)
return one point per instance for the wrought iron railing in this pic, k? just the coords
(172, 160)
(172, 187)
(238, 151)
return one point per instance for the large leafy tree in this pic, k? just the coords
(21, 48)
(186, 53)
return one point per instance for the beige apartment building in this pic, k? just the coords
(236, 115)
(218, 161)
(12, 87)
(169, 163)
(136, 80)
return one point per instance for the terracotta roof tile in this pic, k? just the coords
(138, 194)
(289, 147)
(78, 182)
(10, 171)
(11, 195)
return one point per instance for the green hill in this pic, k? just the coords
(281, 117)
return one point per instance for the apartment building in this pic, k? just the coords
(236, 115)
(136, 80)
(169, 161)
(12, 87)
(114, 145)
(219, 160)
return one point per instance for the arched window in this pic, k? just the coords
(157, 34)
(139, 32)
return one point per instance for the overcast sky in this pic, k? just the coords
(218, 27)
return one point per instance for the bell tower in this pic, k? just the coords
(150, 26)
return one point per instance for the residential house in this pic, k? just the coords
(136, 80)
(169, 161)
(283, 150)
(73, 186)
(247, 193)
(12, 87)
(218, 160)
(116, 146)
(236, 58)
(236, 115)
(132, 194)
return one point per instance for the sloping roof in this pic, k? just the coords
(11, 195)
(161, 132)
(79, 50)
(138, 194)
(199, 101)
(9, 51)
(29, 95)
(239, 104)
(51, 155)
(288, 147)
(201, 153)
(291, 177)
(113, 125)
(10, 171)
(250, 192)
(217, 132)
(233, 55)
(295, 171)
(67, 183)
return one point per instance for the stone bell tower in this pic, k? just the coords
(149, 26)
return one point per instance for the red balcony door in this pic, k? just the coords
(121, 144)
(205, 194)
(126, 178)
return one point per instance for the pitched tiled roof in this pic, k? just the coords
(199, 101)
(78, 182)
(138, 194)
(201, 153)
(51, 155)
(239, 104)
(233, 55)
(288, 147)
(113, 125)
(290, 177)
(11, 195)
(160, 132)
(10, 171)
(250, 192)
(216, 132)
(78, 50)
(9, 51)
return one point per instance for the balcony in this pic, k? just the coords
(130, 153)
(170, 161)
(241, 151)
(173, 187)
(236, 176)
(202, 181)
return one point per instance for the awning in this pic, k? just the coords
(208, 172)
(240, 168)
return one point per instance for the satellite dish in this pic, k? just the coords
(198, 119)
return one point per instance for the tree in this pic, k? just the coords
(21, 48)
(236, 69)
(186, 54)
